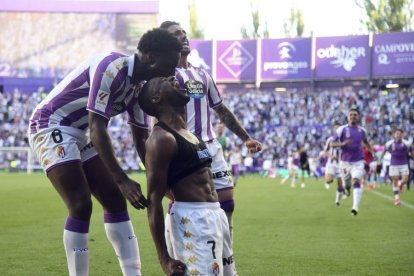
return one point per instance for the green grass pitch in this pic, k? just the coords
(278, 231)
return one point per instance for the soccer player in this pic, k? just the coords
(205, 97)
(68, 133)
(293, 168)
(235, 160)
(400, 150)
(304, 164)
(179, 163)
(350, 138)
(332, 169)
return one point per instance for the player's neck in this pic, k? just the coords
(175, 120)
(183, 63)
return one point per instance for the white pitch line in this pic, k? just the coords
(408, 205)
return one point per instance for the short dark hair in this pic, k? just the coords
(159, 40)
(144, 99)
(354, 108)
(167, 24)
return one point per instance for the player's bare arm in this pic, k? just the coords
(102, 143)
(161, 146)
(231, 122)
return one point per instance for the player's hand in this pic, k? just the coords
(131, 190)
(253, 145)
(174, 267)
(347, 142)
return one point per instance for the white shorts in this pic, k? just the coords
(59, 145)
(293, 169)
(200, 238)
(373, 165)
(355, 169)
(221, 174)
(400, 170)
(332, 168)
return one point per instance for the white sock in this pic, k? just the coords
(77, 254)
(284, 179)
(338, 196)
(75, 240)
(293, 183)
(125, 244)
(396, 192)
(357, 198)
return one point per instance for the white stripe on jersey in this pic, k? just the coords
(198, 110)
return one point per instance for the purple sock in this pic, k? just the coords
(116, 217)
(74, 225)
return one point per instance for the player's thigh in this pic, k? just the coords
(70, 182)
(103, 188)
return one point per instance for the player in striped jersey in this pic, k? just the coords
(332, 167)
(68, 133)
(205, 98)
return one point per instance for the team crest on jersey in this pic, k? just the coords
(46, 162)
(195, 89)
(60, 151)
(215, 268)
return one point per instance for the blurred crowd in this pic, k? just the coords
(49, 45)
(282, 121)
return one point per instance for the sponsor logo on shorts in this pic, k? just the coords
(86, 147)
(60, 151)
(228, 260)
(215, 268)
(221, 174)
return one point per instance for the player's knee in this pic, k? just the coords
(227, 206)
(81, 209)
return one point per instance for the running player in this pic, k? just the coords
(400, 150)
(350, 138)
(332, 170)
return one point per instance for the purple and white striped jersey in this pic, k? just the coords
(332, 151)
(352, 152)
(399, 152)
(101, 84)
(204, 95)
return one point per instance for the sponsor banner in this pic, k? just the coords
(236, 60)
(393, 54)
(342, 57)
(201, 54)
(286, 59)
